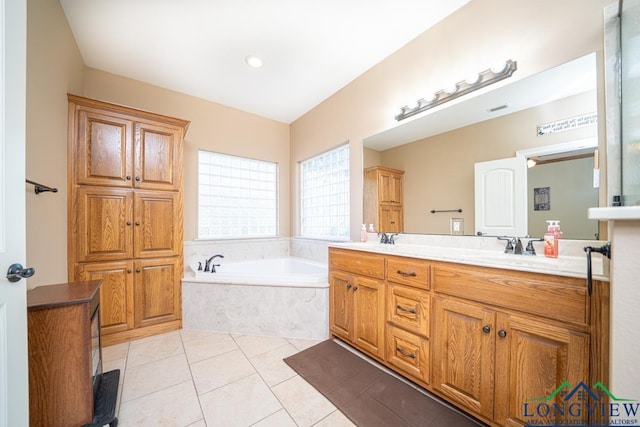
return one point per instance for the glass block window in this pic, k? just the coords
(324, 195)
(237, 196)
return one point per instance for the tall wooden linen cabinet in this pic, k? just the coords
(125, 213)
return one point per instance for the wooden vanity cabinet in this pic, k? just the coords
(126, 214)
(356, 293)
(490, 359)
(383, 199)
(408, 317)
(487, 340)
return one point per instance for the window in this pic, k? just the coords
(324, 195)
(237, 197)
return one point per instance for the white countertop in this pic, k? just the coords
(615, 213)
(570, 266)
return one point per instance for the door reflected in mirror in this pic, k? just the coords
(439, 168)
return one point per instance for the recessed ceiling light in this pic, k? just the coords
(253, 61)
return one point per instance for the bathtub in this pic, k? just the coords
(285, 297)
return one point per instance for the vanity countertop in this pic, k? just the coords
(570, 266)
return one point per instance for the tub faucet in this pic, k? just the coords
(212, 267)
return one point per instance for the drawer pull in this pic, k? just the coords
(405, 353)
(406, 310)
(406, 273)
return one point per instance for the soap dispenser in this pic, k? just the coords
(363, 233)
(551, 240)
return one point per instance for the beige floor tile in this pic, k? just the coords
(335, 419)
(147, 350)
(279, 419)
(241, 403)
(174, 406)
(153, 376)
(208, 346)
(253, 345)
(221, 370)
(301, 344)
(271, 367)
(303, 402)
(194, 334)
(116, 351)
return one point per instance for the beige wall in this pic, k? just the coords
(439, 171)
(54, 67)
(539, 34)
(213, 127)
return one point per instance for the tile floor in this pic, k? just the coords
(206, 379)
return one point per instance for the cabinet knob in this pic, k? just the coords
(138, 270)
(348, 285)
(128, 222)
(486, 329)
(128, 270)
(502, 333)
(355, 288)
(128, 177)
(137, 178)
(137, 222)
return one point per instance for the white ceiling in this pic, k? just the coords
(310, 48)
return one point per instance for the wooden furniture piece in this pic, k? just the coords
(484, 339)
(64, 353)
(383, 199)
(126, 214)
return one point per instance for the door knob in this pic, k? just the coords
(17, 272)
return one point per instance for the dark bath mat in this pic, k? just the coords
(367, 395)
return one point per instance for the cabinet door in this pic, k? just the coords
(102, 223)
(157, 291)
(391, 219)
(341, 304)
(158, 158)
(464, 354)
(533, 359)
(368, 319)
(116, 293)
(390, 188)
(104, 144)
(157, 224)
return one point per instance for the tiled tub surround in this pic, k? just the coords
(259, 300)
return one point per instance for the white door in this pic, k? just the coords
(14, 398)
(501, 197)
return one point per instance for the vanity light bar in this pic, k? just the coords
(463, 87)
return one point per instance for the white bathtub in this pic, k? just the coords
(287, 297)
(289, 271)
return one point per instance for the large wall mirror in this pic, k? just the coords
(438, 150)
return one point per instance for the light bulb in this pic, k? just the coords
(472, 78)
(253, 61)
(499, 67)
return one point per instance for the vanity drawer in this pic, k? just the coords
(357, 262)
(555, 297)
(408, 353)
(408, 308)
(408, 271)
